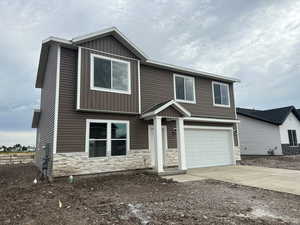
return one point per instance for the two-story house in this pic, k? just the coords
(105, 106)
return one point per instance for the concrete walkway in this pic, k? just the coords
(282, 180)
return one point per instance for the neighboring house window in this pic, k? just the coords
(107, 138)
(221, 94)
(184, 88)
(293, 137)
(109, 74)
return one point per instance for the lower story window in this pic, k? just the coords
(107, 138)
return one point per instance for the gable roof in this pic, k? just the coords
(75, 42)
(274, 116)
(154, 110)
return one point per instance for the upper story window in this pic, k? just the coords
(109, 74)
(292, 138)
(221, 94)
(184, 88)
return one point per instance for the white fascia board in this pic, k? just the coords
(210, 75)
(202, 119)
(171, 102)
(108, 30)
(57, 39)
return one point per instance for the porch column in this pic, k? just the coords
(158, 144)
(180, 143)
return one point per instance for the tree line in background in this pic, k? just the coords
(17, 148)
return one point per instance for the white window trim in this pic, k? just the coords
(174, 82)
(93, 87)
(213, 94)
(108, 137)
(293, 146)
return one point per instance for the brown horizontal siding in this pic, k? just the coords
(157, 86)
(107, 101)
(72, 124)
(46, 122)
(170, 112)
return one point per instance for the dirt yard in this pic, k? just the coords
(137, 199)
(291, 162)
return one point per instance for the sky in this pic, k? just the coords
(255, 41)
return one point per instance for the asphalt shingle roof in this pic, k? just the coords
(274, 116)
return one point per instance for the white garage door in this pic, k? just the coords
(206, 148)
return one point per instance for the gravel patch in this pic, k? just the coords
(291, 162)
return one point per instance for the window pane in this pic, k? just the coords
(179, 83)
(295, 138)
(290, 137)
(102, 73)
(118, 130)
(224, 95)
(189, 86)
(97, 149)
(98, 130)
(120, 76)
(217, 93)
(118, 147)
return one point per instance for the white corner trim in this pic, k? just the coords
(213, 94)
(215, 120)
(93, 87)
(56, 100)
(108, 137)
(174, 87)
(78, 78)
(139, 85)
(207, 127)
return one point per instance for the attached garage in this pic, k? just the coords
(208, 146)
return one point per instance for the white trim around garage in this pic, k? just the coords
(215, 120)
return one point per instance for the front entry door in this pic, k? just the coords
(164, 143)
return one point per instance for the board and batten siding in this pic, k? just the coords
(257, 137)
(72, 124)
(157, 86)
(45, 130)
(101, 100)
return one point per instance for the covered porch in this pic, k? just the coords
(167, 111)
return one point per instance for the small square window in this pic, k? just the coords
(221, 94)
(184, 88)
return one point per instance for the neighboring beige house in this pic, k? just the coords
(105, 106)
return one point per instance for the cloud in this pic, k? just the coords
(10, 138)
(257, 41)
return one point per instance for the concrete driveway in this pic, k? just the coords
(282, 180)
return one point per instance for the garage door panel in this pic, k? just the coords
(208, 147)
